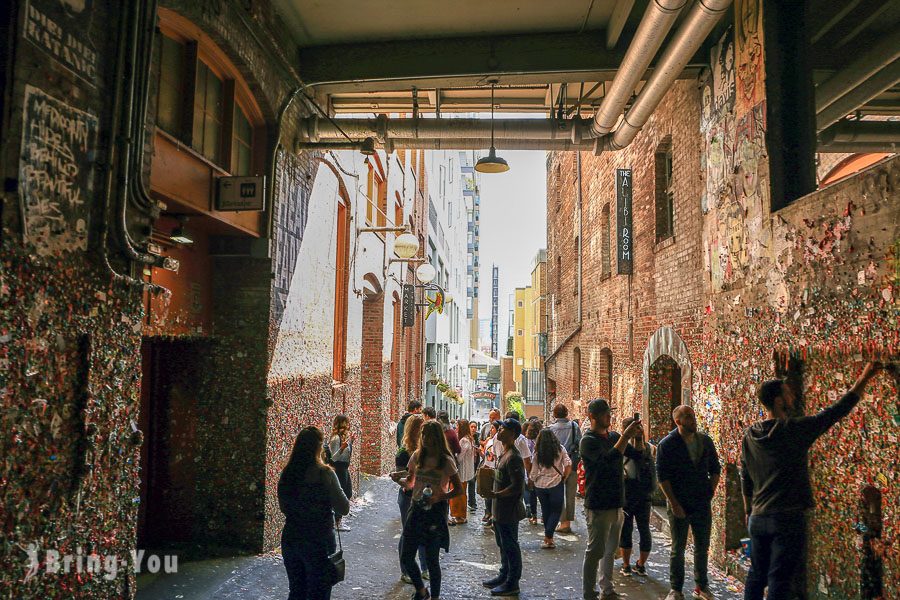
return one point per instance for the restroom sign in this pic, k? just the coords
(624, 231)
(241, 193)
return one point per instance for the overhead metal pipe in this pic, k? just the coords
(858, 147)
(875, 85)
(384, 128)
(690, 36)
(877, 132)
(858, 72)
(459, 144)
(655, 25)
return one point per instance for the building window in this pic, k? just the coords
(202, 99)
(520, 332)
(376, 197)
(170, 94)
(207, 133)
(665, 192)
(241, 144)
(520, 304)
(341, 289)
(605, 242)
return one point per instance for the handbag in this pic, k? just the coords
(336, 560)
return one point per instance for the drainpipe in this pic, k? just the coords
(690, 36)
(655, 24)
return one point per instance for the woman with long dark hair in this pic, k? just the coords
(433, 479)
(309, 494)
(548, 474)
(340, 450)
(412, 437)
(465, 462)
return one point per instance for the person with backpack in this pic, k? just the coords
(569, 435)
(640, 481)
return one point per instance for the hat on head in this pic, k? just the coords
(598, 407)
(512, 424)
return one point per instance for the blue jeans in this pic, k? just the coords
(507, 537)
(776, 548)
(552, 500)
(700, 524)
(530, 499)
(404, 501)
(307, 568)
(473, 498)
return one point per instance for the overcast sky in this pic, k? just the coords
(513, 228)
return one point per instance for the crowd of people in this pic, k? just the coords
(516, 465)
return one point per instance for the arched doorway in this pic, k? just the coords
(667, 380)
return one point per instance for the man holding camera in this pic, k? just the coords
(602, 453)
(688, 469)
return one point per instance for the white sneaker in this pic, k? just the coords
(703, 594)
(673, 595)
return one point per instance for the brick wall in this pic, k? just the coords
(620, 313)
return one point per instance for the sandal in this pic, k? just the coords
(548, 545)
(563, 530)
(452, 521)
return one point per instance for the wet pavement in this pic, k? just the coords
(370, 549)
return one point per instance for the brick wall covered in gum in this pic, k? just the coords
(818, 279)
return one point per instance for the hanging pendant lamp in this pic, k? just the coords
(492, 163)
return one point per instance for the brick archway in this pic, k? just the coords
(666, 342)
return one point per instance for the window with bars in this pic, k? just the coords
(241, 144)
(665, 192)
(206, 137)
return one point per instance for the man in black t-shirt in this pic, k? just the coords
(509, 484)
(413, 408)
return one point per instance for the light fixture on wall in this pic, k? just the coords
(492, 163)
(426, 273)
(180, 234)
(406, 246)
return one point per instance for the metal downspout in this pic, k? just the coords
(690, 36)
(655, 24)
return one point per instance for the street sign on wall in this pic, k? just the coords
(624, 232)
(409, 305)
(241, 193)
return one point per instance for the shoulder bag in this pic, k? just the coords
(336, 560)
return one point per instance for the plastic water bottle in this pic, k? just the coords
(426, 497)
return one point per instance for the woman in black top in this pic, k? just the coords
(309, 494)
(412, 435)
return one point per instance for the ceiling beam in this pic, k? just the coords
(617, 22)
(370, 65)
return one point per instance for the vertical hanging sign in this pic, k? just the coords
(624, 232)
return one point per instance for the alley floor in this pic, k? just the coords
(370, 549)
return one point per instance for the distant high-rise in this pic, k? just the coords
(495, 309)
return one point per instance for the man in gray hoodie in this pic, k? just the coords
(775, 482)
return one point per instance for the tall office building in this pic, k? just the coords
(495, 310)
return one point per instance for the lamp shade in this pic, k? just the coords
(406, 245)
(425, 273)
(491, 163)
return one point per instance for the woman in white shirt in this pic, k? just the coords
(549, 469)
(465, 461)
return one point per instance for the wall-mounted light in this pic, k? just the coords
(406, 246)
(426, 273)
(180, 234)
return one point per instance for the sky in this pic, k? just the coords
(513, 228)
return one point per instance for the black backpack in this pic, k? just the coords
(573, 449)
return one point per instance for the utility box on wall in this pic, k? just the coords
(240, 193)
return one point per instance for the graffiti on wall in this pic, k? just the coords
(56, 173)
(59, 28)
(748, 19)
